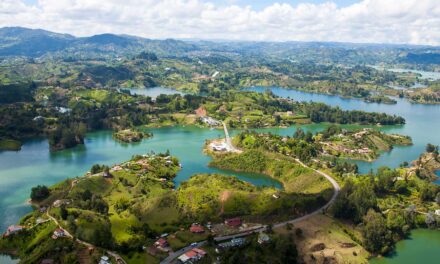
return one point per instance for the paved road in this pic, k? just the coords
(179, 252)
(336, 187)
(228, 140)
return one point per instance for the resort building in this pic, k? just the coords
(194, 254)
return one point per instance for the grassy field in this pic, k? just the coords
(10, 144)
(322, 239)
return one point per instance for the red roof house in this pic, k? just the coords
(233, 222)
(161, 242)
(199, 251)
(196, 229)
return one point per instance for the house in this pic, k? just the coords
(263, 238)
(233, 222)
(437, 212)
(236, 242)
(104, 260)
(58, 233)
(210, 121)
(13, 229)
(57, 203)
(47, 261)
(107, 174)
(194, 254)
(219, 147)
(116, 168)
(196, 229)
(161, 243)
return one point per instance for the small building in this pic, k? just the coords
(58, 233)
(196, 229)
(233, 222)
(194, 254)
(116, 168)
(437, 212)
(161, 243)
(13, 229)
(47, 261)
(58, 203)
(104, 260)
(107, 174)
(236, 242)
(263, 238)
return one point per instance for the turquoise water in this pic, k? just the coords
(438, 179)
(34, 164)
(422, 247)
(422, 123)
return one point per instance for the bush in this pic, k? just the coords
(39, 193)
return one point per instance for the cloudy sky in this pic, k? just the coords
(366, 21)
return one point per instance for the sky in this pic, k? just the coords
(359, 21)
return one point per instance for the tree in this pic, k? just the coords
(63, 212)
(377, 238)
(431, 148)
(39, 193)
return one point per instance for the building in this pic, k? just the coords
(437, 212)
(219, 146)
(263, 238)
(104, 260)
(58, 233)
(161, 243)
(233, 222)
(236, 242)
(13, 229)
(210, 121)
(195, 228)
(194, 254)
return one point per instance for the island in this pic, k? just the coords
(131, 135)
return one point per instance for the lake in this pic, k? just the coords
(424, 74)
(422, 123)
(422, 247)
(34, 164)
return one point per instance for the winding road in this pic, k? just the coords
(322, 209)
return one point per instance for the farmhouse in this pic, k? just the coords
(58, 233)
(195, 228)
(192, 255)
(233, 222)
(161, 243)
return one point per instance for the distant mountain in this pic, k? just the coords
(422, 58)
(18, 41)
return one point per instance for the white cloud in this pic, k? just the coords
(384, 21)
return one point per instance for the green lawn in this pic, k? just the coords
(10, 144)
